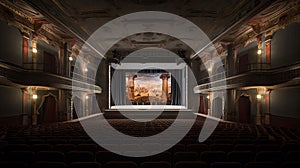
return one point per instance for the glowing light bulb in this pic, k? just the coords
(71, 58)
(34, 96)
(34, 50)
(258, 96)
(259, 51)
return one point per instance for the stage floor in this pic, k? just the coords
(148, 107)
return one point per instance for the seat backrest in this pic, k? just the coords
(155, 165)
(197, 148)
(25, 156)
(64, 147)
(44, 164)
(87, 147)
(260, 165)
(191, 164)
(55, 156)
(272, 156)
(213, 156)
(290, 164)
(293, 156)
(245, 147)
(241, 156)
(185, 156)
(79, 156)
(119, 164)
(106, 156)
(226, 165)
(8, 164)
(85, 165)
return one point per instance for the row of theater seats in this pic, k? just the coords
(231, 145)
(130, 164)
(106, 156)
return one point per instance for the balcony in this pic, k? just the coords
(34, 75)
(253, 75)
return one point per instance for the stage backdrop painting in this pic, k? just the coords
(148, 88)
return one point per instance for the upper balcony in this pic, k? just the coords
(252, 75)
(35, 75)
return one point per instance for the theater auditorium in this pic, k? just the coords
(150, 83)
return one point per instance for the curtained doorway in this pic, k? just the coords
(244, 109)
(49, 113)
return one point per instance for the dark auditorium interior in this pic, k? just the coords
(150, 83)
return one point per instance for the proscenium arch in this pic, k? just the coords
(141, 22)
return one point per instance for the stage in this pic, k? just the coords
(147, 107)
(145, 111)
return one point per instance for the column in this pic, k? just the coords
(34, 110)
(267, 103)
(258, 110)
(26, 105)
(268, 52)
(230, 112)
(260, 52)
(165, 78)
(131, 87)
(34, 55)
(230, 60)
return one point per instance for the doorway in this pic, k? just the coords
(49, 114)
(244, 109)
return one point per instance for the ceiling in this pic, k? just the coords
(220, 20)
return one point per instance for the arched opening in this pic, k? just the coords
(49, 63)
(203, 106)
(217, 110)
(49, 112)
(77, 107)
(244, 109)
(243, 63)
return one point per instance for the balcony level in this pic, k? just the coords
(254, 75)
(12, 75)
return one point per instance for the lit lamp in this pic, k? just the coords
(34, 96)
(207, 96)
(259, 51)
(258, 96)
(86, 97)
(34, 50)
(85, 69)
(71, 58)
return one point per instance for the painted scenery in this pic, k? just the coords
(148, 88)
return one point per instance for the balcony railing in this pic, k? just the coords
(32, 74)
(253, 75)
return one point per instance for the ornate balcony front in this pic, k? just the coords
(12, 75)
(255, 76)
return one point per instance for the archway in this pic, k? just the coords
(49, 112)
(244, 109)
(49, 63)
(217, 107)
(77, 107)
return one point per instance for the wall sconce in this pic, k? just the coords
(259, 51)
(71, 58)
(258, 96)
(34, 50)
(34, 96)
